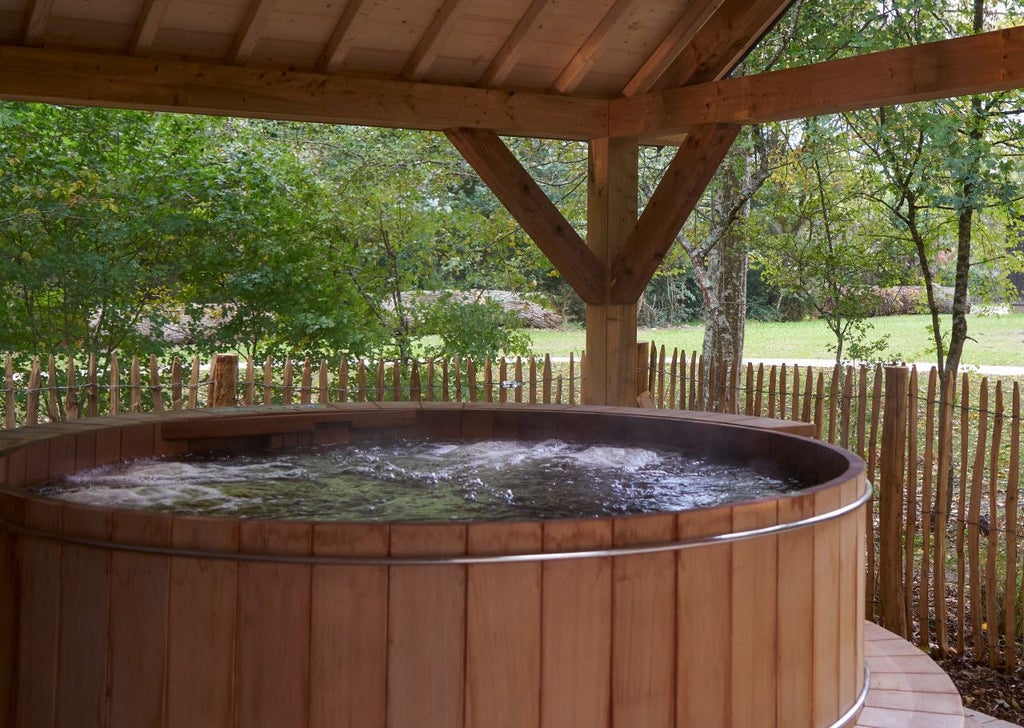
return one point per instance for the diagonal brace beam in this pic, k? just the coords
(526, 201)
(677, 194)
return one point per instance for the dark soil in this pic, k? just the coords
(993, 692)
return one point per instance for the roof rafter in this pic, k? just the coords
(249, 32)
(584, 60)
(95, 79)
(690, 24)
(512, 49)
(982, 63)
(440, 29)
(146, 26)
(344, 33)
(36, 15)
(722, 42)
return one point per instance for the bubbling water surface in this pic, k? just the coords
(424, 480)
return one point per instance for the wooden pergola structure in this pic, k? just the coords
(612, 73)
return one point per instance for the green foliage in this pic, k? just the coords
(477, 329)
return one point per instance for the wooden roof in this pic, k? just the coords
(579, 69)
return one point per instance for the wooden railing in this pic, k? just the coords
(945, 530)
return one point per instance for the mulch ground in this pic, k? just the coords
(996, 693)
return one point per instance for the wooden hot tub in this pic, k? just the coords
(711, 617)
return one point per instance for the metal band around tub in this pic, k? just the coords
(847, 718)
(456, 559)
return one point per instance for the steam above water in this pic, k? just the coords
(423, 480)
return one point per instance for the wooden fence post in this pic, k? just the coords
(224, 381)
(892, 594)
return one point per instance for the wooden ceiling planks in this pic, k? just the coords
(146, 26)
(249, 33)
(36, 15)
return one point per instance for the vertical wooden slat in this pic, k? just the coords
(754, 615)
(928, 511)
(673, 380)
(795, 411)
(942, 513)
(135, 386)
(808, 394)
(749, 389)
(249, 394)
(115, 385)
(156, 391)
(871, 578)
(825, 611)
(847, 405)
(503, 628)
(193, 384)
(576, 627)
(973, 523)
(992, 542)
(773, 374)
(202, 621)
(176, 403)
(519, 379)
(32, 408)
(546, 389)
(71, 405)
(696, 371)
(819, 406)
(862, 415)
(426, 629)
(268, 381)
(82, 679)
(833, 401)
(1010, 525)
(796, 639)
(533, 380)
(910, 504)
(471, 380)
(703, 375)
(273, 639)
(458, 379)
(323, 384)
(138, 621)
(306, 387)
(572, 379)
(343, 379)
(961, 514)
(431, 392)
(52, 406)
(502, 379)
(644, 624)
(348, 648)
(704, 598)
(379, 382)
(92, 396)
(488, 380)
(782, 391)
(661, 377)
(759, 391)
(287, 383)
(10, 404)
(361, 375)
(734, 387)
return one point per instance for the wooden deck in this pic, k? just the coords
(908, 690)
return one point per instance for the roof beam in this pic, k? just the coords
(584, 60)
(538, 216)
(974, 64)
(723, 41)
(512, 49)
(146, 26)
(440, 29)
(344, 33)
(36, 15)
(690, 24)
(677, 194)
(88, 79)
(249, 33)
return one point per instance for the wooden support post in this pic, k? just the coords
(224, 381)
(611, 362)
(890, 515)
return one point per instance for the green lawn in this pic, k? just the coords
(994, 339)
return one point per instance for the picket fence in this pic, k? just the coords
(943, 568)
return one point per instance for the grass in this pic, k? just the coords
(994, 339)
